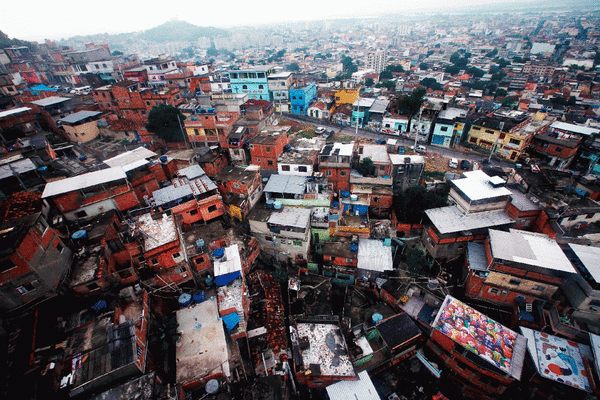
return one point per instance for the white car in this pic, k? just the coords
(320, 130)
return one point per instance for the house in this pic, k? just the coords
(487, 132)
(340, 259)
(301, 95)
(558, 145)
(582, 290)
(279, 84)
(316, 364)
(374, 259)
(347, 95)
(158, 68)
(266, 149)
(360, 111)
(211, 161)
(241, 189)
(406, 171)
(513, 146)
(205, 126)
(283, 234)
(342, 114)
(318, 109)
(521, 267)
(574, 377)
(483, 357)
(524, 211)
(378, 154)
(202, 350)
(117, 352)
(394, 124)
(578, 214)
(297, 190)
(82, 126)
(301, 158)
(252, 81)
(335, 164)
(376, 114)
(34, 260)
(448, 127)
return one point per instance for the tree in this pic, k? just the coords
(117, 53)
(391, 85)
(366, 167)
(430, 52)
(475, 72)
(452, 69)
(431, 83)
(369, 82)
(423, 67)
(164, 120)
(501, 92)
(385, 75)
(508, 102)
(349, 66)
(411, 204)
(409, 105)
(417, 262)
(293, 67)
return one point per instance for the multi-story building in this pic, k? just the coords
(448, 127)
(82, 126)
(376, 60)
(347, 96)
(207, 126)
(378, 155)
(252, 82)
(335, 163)
(516, 140)
(406, 171)
(33, 259)
(538, 70)
(266, 149)
(158, 68)
(301, 95)
(488, 132)
(301, 159)
(279, 84)
(241, 188)
(360, 111)
(558, 145)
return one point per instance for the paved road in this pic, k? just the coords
(459, 152)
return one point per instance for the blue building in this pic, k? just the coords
(360, 111)
(252, 82)
(301, 97)
(448, 127)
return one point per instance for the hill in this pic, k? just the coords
(180, 31)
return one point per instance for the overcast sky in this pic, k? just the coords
(56, 19)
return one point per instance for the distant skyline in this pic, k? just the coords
(60, 19)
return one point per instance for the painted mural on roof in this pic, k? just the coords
(477, 333)
(560, 360)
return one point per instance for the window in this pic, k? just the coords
(514, 282)
(343, 173)
(572, 217)
(193, 212)
(154, 261)
(515, 141)
(489, 131)
(212, 208)
(176, 256)
(558, 149)
(539, 288)
(298, 243)
(199, 260)
(270, 163)
(125, 274)
(302, 169)
(6, 264)
(244, 86)
(60, 247)
(268, 149)
(493, 291)
(589, 216)
(81, 214)
(261, 87)
(328, 173)
(28, 287)
(444, 129)
(285, 167)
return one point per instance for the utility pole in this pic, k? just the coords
(417, 131)
(501, 126)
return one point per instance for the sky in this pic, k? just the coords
(57, 19)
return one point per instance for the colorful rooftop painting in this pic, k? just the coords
(477, 333)
(559, 359)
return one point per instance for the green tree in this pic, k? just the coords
(431, 83)
(366, 167)
(391, 85)
(508, 102)
(117, 53)
(430, 52)
(411, 204)
(452, 69)
(349, 66)
(501, 92)
(369, 82)
(164, 120)
(423, 67)
(475, 72)
(385, 75)
(293, 67)
(410, 105)
(417, 262)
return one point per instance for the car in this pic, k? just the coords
(465, 165)
(320, 130)
(453, 163)
(401, 150)
(380, 141)
(421, 149)
(328, 133)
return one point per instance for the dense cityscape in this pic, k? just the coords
(400, 207)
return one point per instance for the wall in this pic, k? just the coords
(82, 133)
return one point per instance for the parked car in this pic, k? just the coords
(328, 133)
(453, 163)
(421, 149)
(401, 150)
(380, 141)
(320, 130)
(465, 165)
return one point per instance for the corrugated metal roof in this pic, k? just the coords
(79, 116)
(589, 257)
(450, 219)
(476, 256)
(379, 106)
(584, 130)
(13, 111)
(288, 184)
(529, 248)
(191, 172)
(131, 159)
(18, 167)
(361, 389)
(171, 193)
(374, 256)
(49, 101)
(83, 181)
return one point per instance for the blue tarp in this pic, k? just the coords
(231, 321)
(226, 279)
(35, 90)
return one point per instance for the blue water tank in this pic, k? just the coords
(219, 253)
(334, 204)
(163, 159)
(82, 157)
(377, 317)
(209, 280)
(80, 234)
(270, 203)
(43, 169)
(386, 177)
(199, 296)
(277, 205)
(354, 248)
(185, 299)
(200, 243)
(345, 193)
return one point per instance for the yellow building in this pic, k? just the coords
(347, 96)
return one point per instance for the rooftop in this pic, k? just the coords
(202, 348)
(588, 256)
(522, 202)
(230, 263)
(363, 102)
(291, 216)
(50, 101)
(559, 359)
(450, 219)
(13, 111)
(339, 149)
(83, 181)
(476, 256)
(470, 329)
(362, 389)
(79, 117)
(376, 152)
(157, 232)
(534, 249)
(401, 159)
(582, 130)
(374, 256)
(326, 354)
(131, 159)
(478, 186)
(286, 184)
